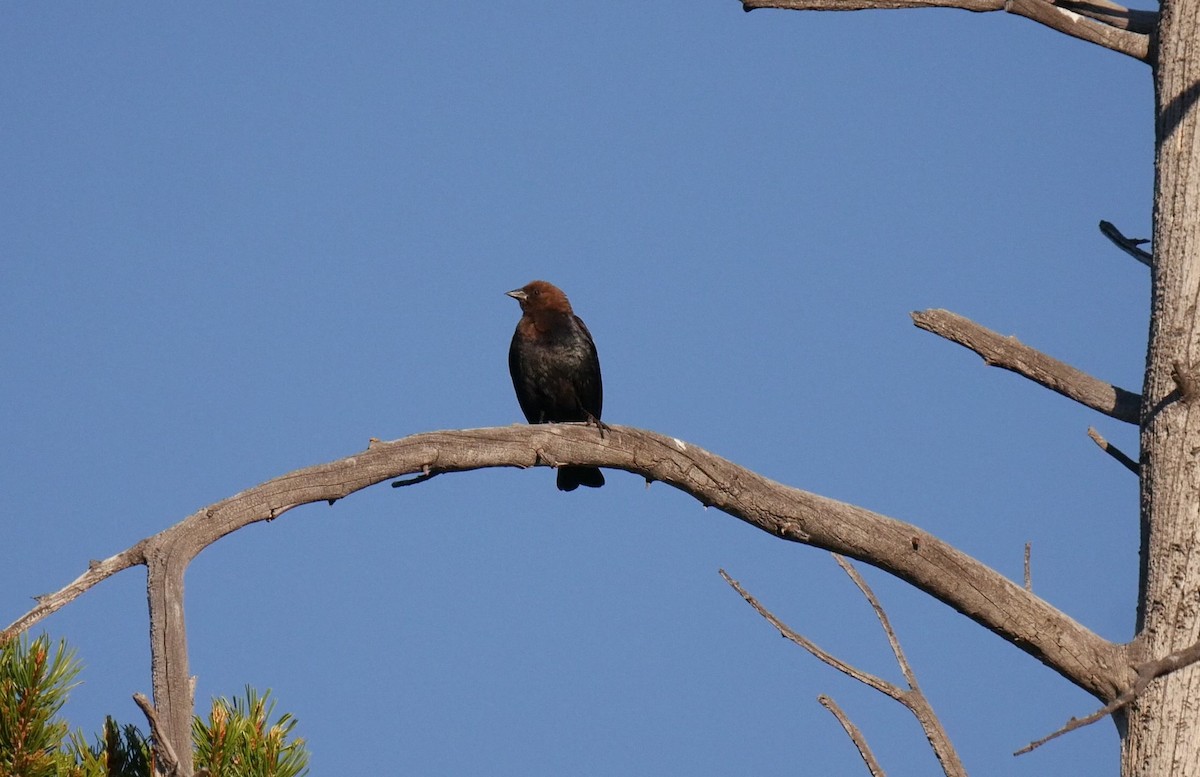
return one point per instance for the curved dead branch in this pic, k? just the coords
(980, 593)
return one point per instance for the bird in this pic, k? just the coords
(555, 370)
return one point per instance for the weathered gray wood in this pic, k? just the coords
(1162, 727)
(910, 553)
(1011, 354)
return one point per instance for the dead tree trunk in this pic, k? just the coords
(1152, 684)
(1162, 735)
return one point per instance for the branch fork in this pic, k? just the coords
(1145, 673)
(970, 587)
(911, 697)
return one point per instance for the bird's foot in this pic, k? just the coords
(600, 425)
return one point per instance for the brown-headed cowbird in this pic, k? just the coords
(555, 369)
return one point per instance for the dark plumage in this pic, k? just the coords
(555, 369)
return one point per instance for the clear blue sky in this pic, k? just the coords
(237, 239)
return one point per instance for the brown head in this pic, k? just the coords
(539, 296)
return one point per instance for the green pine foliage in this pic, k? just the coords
(34, 680)
(237, 740)
(118, 752)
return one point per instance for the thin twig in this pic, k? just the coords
(879, 684)
(1127, 244)
(1028, 576)
(912, 698)
(856, 736)
(1114, 451)
(163, 752)
(869, 595)
(1076, 723)
(96, 572)
(1010, 354)
(1147, 672)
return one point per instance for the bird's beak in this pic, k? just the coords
(518, 294)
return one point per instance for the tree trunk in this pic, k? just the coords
(1162, 729)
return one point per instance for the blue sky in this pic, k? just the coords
(237, 239)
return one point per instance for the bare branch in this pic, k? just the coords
(164, 753)
(914, 698)
(1114, 451)
(1076, 723)
(869, 595)
(1127, 244)
(1028, 575)
(1133, 44)
(1010, 354)
(856, 736)
(97, 571)
(1102, 22)
(1146, 673)
(904, 550)
(870, 680)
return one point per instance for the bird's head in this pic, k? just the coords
(538, 296)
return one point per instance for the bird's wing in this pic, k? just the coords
(590, 387)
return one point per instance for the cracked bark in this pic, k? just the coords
(1162, 730)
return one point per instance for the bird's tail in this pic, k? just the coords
(571, 478)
